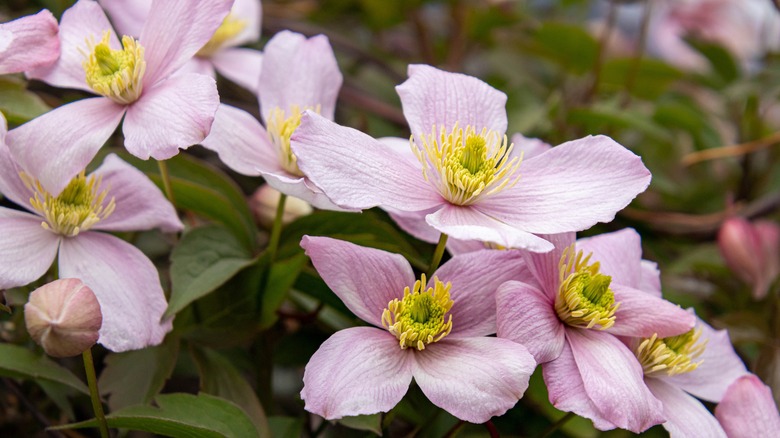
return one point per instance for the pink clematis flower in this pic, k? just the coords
(28, 42)
(470, 184)
(162, 112)
(747, 410)
(221, 53)
(566, 313)
(752, 252)
(434, 332)
(116, 197)
(298, 74)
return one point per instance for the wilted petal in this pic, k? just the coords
(748, 410)
(357, 371)
(525, 315)
(26, 249)
(435, 98)
(456, 376)
(32, 43)
(685, 416)
(618, 253)
(241, 66)
(365, 279)
(126, 284)
(241, 141)
(175, 114)
(641, 314)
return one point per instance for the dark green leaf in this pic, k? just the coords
(19, 362)
(722, 61)
(650, 77)
(282, 277)
(286, 427)
(17, 104)
(204, 259)
(371, 423)
(58, 393)
(570, 46)
(597, 119)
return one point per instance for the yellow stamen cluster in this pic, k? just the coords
(420, 318)
(584, 297)
(230, 27)
(465, 165)
(116, 74)
(280, 127)
(78, 208)
(672, 355)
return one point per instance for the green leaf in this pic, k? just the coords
(136, 377)
(286, 427)
(282, 277)
(19, 362)
(58, 393)
(371, 423)
(181, 416)
(206, 191)
(570, 46)
(723, 63)
(219, 377)
(204, 259)
(596, 119)
(17, 103)
(651, 77)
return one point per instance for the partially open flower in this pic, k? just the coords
(63, 317)
(751, 251)
(265, 200)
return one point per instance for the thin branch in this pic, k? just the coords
(736, 150)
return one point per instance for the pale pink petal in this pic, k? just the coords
(126, 284)
(174, 32)
(402, 146)
(11, 186)
(475, 277)
(612, 378)
(467, 223)
(71, 134)
(474, 379)
(436, 98)
(618, 253)
(241, 141)
(545, 267)
(650, 278)
(81, 24)
(456, 246)
(356, 171)
(528, 147)
(251, 13)
(301, 188)
(128, 17)
(720, 366)
(26, 249)
(140, 205)
(525, 315)
(366, 279)
(175, 114)
(299, 71)
(413, 222)
(201, 66)
(33, 43)
(641, 314)
(685, 416)
(567, 392)
(241, 66)
(570, 187)
(748, 410)
(357, 371)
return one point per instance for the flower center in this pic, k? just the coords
(465, 165)
(116, 74)
(673, 355)
(78, 208)
(230, 27)
(584, 297)
(420, 318)
(280, 127)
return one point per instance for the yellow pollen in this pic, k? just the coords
(280, 127)
(230, 27)
(420, 318)
(116, 74)
(78, 208)
(672, 355)
(465, 165)
(584, 298)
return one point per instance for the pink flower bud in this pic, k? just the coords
(264, 201)
(752, 252)
(63, 317)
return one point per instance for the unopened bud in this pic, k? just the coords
(265, 200)
(752, 252)
(63, 317)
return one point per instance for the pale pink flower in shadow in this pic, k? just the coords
(299, 73)
(115, 197)
(162, 112)
(752, 252)
(471, 183)
(436, 333)
(567, 312)
(747, 410)
(28, 42)
(221, 54)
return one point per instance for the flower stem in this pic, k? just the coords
(276, 230)
(438, 254)
(557, 425)
(166, 180)
(97, 406)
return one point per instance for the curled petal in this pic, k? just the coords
(32, 42)
(748, 410)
